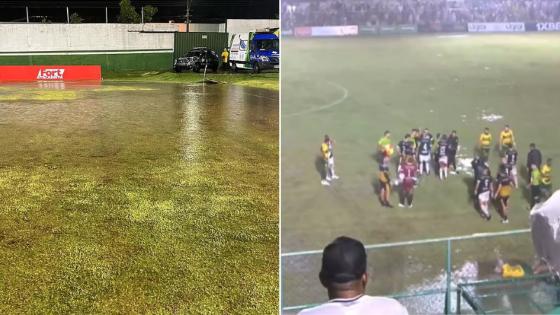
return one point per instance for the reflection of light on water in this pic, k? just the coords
(235, 109)
(56, 85)
(191, 123)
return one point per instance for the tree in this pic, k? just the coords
(75, 18)
(149, 13)
(128, 14)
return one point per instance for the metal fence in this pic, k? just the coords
(423, 274)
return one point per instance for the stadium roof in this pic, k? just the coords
(94, 11)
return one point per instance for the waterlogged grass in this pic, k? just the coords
(29, 93)
(265, 80)
(102, 218)
(37, 95)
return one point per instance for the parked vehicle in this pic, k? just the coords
(197, 59)
(255, 51)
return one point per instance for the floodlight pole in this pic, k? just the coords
(188, 16)
(106, 15)
(27, 13)
(67, 15)
(142, 14)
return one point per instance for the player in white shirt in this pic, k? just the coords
(343, 273)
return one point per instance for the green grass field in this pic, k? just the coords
(138, 198)
(355, 88)
(265, 80)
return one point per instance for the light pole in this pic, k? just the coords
(188, 15)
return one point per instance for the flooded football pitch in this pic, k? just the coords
(137, 197)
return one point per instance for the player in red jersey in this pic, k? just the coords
(407, 178)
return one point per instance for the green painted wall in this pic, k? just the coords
(108, 62)
(187, 41)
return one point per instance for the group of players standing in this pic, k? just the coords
(419, 152)
(416, 152)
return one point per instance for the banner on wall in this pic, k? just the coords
(496, 27)
(50, 73)
(543, 27)
(437, 27)
(323, 31)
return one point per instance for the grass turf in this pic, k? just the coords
(138, 200)
(355, 88)
(265, 80)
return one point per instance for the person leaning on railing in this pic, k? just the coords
(343, 273)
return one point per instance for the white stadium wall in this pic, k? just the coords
(116, 47)
(207, 27)
(243, 26)
(85, 37)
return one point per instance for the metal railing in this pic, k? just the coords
(422, 274)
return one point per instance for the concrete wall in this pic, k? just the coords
(116, 47)
(26, 38)
(243, 26)
(204, 27)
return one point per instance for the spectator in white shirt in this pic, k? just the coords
(343, 273)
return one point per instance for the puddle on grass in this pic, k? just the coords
(120, 130)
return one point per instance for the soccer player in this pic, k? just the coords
(407, 178)
(425, 154)
(404, 147)
(535, 185)
(533, 157)
(483, 190)
(485, 142)
(416, 137)
(546, 172)
(385, 186)
(452, 148)
(476, 165)
(385, 148)
(328, 157)
(511, 165)
(502, 194)
(442, 157)
(507, 140)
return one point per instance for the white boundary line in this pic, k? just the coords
(323, 107)
(425, 241)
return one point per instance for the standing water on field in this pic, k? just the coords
(126, 197)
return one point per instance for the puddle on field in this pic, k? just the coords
(123, 183)
(54, 121)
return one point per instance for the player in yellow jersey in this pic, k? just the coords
(384, 185)
(546, 180)
(328, 158)
(385, 148)
(485, 142)
(507, 140)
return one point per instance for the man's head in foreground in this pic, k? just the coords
(343, 269)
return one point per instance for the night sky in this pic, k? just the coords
(209, 11)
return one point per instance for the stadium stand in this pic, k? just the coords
(395, 12)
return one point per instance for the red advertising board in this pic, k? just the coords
(49, 73)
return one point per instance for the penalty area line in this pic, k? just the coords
(323, 107)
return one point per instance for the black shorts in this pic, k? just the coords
(535, 191)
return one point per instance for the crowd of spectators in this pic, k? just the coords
(395, 12)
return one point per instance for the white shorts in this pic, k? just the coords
(424, 158)
(443, 160)
(483, 199)
(330, 161)
(513, 171)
